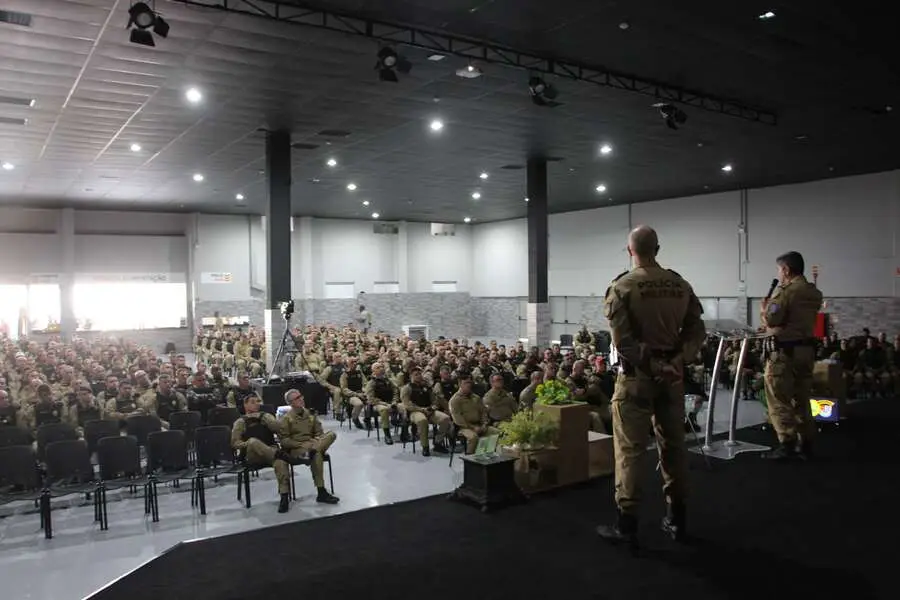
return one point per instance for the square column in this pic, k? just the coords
(278, 237)
(538, 312)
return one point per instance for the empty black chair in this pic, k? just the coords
(119, 458)
(14, 436)
(94, 431)
(517, 386)
(141, 426)
(268, 408)
(20, 478)
(215, 457)
(223, 415)
(53, 432)
(187, 421)
(167, 461)
(69, 471)
(566, 340)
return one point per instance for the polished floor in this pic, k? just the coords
(80, 559)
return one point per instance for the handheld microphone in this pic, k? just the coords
(772, 288)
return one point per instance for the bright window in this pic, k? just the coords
(44, 306)
(386, 287)
(443, 286)
(118, 306)
(335, 291)
(13, 303)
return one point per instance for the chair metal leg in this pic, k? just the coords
(104, 516)
(240, 484)
(47, 520)
(330, 475)
(293, 485)
(201, 493)
(247, 487)
(154, 501)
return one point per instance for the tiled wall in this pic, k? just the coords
(495, 317)
(252, 308)
(850, 315)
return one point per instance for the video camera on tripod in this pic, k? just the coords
(287, 309)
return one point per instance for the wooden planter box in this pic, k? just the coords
(601, 459)
(536, 470)
(574, 422)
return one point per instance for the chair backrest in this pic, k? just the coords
(566, 340)
(119, 457)
(14, 436)
(223, 415)
(18, 466)
(185, 420)
(213, 445)
(94, 431)
(269, 408)
(140, 426)
(53, 432)
(167, 451)
(69, 461)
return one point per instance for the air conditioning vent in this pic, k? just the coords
(385, 229)
(443, 229)
(512, 167)
(17, 101)
(15, 18)
(304, 146)
(416, 332)
(335, 133)
(12, 121)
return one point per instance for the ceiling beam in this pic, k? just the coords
(441, 43)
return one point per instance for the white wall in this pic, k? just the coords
(130, 254)
(500, 259)
(222, 246)
(438, 258)
(349, 251)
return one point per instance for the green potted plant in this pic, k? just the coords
(529, 431)
(554, 393)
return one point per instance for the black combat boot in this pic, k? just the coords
(785, 452)
(325, 498)
(387, 437)
(624, 531)
(358, 424)
(285, 503)
(426, 451)
(674, 522)
(440, 448)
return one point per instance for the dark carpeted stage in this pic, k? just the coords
(825, 529)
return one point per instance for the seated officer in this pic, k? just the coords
(353, 385)
(253, 436)
(9, 412)
(86, 408)
(383, 396)
(331, 379)
(470, 415)
(165, 400)
(422, 407)
(500, 404)
(302, 435)
(235, 397)
(124, 405)
(587, 389)
(44, 411)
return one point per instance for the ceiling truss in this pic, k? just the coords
(484, 52)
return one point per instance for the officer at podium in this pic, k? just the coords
(789, 317)
(656, 321)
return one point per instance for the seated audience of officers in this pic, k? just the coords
(438, 390)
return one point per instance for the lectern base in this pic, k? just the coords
(726, 450)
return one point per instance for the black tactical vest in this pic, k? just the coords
(166, 405)
(334, 377)
(255, 352)
(89, 413)
(580, 382)
(125, 405)
(239, 397)
(419, 395)
(354, 380)
(383, 390)
(255, 428)
(448, 388)
(7, 416)
(45, 414)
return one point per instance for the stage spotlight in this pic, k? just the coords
(390, 63)
(141, 18)
(671, 114)
(542, 93)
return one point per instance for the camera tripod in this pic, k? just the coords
(279, 354)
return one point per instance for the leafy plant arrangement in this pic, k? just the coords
(554, 393)
(530, 431)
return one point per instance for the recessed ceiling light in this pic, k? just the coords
(436, 57)
(135, 147)
(624, 25)
(8, 166)
(767, 15)
(467, 220)
(198, 177)
(600, 188)
(331, 162)
(727, 168)
(239, 197)
(365, 202)
(193, 95)
(605, 149)
(484, 176)
(436, 125)
(526, 199)
(375, 215)
(351, 187)
(476, 195)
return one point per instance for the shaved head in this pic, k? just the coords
(643, 242)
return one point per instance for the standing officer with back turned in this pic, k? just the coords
(789, 317)
(656, 322)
